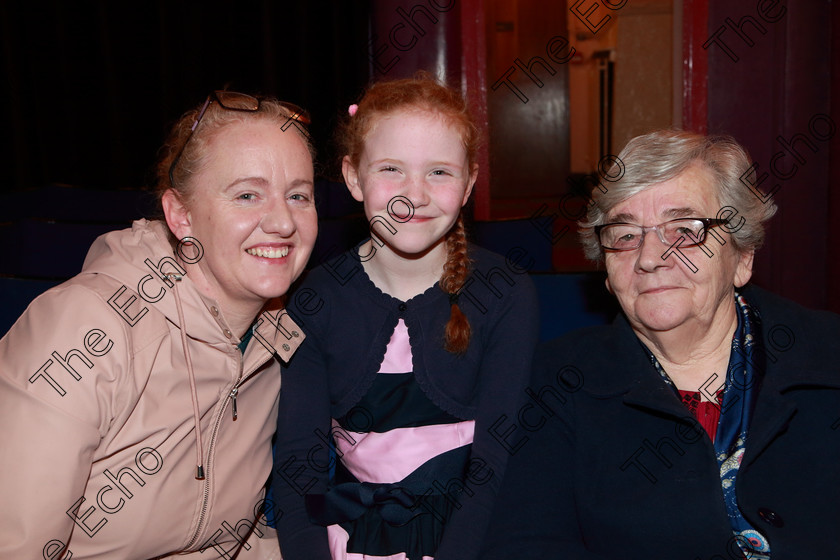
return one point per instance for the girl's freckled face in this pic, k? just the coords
(414, 174)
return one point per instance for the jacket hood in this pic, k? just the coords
(141, 258)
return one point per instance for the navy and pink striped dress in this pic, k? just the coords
(393, 432)
(388, 446)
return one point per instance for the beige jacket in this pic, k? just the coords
(98, 414)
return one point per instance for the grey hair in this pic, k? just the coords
(660, 156)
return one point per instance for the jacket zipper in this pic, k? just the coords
(202, 516)
(233, 393)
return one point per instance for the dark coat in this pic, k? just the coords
(616, 467)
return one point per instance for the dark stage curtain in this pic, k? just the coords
(772, 84)
(89, 89)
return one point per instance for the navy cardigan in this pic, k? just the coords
(348, 322)
(616, 466)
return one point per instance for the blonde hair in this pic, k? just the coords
(194, 147)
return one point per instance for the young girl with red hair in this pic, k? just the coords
(396, 415)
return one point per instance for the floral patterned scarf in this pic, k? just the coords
(745, 368)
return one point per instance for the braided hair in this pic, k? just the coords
(424, 92)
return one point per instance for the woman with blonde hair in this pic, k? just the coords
(138, 397)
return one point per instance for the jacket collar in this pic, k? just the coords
(800, 364)
(277, 332)
(141, 257)
(614, 364)
(797, 362)
(143, 261)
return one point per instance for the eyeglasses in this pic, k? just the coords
(235, 101)
(622, 236)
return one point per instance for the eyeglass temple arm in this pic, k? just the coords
(200, 116)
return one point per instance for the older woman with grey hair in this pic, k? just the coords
(705, 422)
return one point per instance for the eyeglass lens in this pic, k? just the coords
(237, 101)
(629, 236)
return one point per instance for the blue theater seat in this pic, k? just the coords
(39, 252)
(68, 203)
(517, 238)
(336, 236)
(15, 295)
(333, 200)
(572, 301)
(45, 234)
(48, 249)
